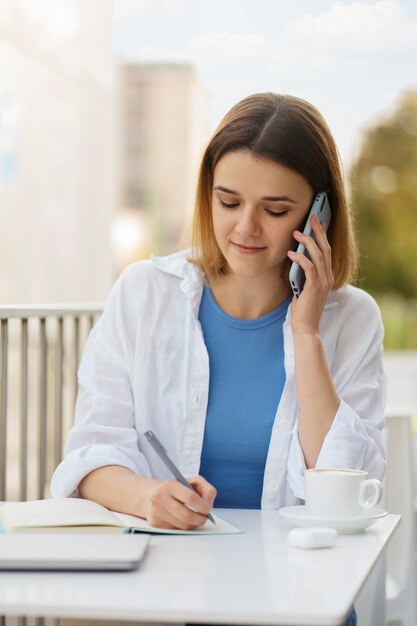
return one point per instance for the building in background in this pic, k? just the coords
(57, 197)
(164, 117)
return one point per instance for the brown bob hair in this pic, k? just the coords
(293, 133)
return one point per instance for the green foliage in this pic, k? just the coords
(384, 196)
(399, 317)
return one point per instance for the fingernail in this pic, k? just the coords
(291, 253)
(297, 232)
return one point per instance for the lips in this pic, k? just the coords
(244, 249)
(241, 245)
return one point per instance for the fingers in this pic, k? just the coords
(160, 517)
(173, 513)
(320, 231)
(172, 505)
(319, 268)
(313, 249)
(306, 264)
(203, 488)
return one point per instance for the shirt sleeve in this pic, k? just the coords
(355, 438)
(104, 425)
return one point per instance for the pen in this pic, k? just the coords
(162, 453)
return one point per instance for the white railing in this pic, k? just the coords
(40, 348)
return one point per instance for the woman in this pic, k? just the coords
(244, 384)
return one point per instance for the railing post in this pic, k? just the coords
(43, 381)
(59, 381)
(24, 411)
(3, 407)
(76, 354)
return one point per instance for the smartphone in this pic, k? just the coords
(321, 208)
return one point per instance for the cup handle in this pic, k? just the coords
(370, 493)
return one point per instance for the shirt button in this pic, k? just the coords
(273, 485)
(284, 424)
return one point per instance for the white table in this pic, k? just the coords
(253, 578)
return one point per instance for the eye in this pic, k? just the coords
(228, 206)
(275, 213)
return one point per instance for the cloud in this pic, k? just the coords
(230, 49)
(347, 37)
(249, 52)
(356, 28)
(128, 10)
(149, 54)
(217, 49)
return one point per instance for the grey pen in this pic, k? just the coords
(162, 453)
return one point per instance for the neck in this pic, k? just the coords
(247, 298)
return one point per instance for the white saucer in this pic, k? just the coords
(298, 516)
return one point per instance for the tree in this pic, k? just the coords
(384, 196)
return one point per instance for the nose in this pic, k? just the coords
(247, 225)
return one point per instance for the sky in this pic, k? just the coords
(352, 60)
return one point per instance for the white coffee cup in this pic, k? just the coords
(340, 492)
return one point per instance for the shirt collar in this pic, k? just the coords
(192, 282)
(177, 264)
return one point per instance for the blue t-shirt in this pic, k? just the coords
(247, 376)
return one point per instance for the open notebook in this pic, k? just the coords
(77, 515)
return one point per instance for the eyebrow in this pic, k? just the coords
(269, 198)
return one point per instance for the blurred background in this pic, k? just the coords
(105, 107)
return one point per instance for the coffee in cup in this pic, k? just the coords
(340, 492)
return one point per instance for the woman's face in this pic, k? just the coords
(256, 205)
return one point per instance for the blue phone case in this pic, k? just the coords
(321, 208)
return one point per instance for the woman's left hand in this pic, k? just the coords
(306, 311)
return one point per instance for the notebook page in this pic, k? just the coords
(221, 527)
(56, 512)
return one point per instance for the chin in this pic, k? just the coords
(245, 271)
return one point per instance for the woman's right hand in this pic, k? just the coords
(169, 504)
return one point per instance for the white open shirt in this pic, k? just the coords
(145, 366)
